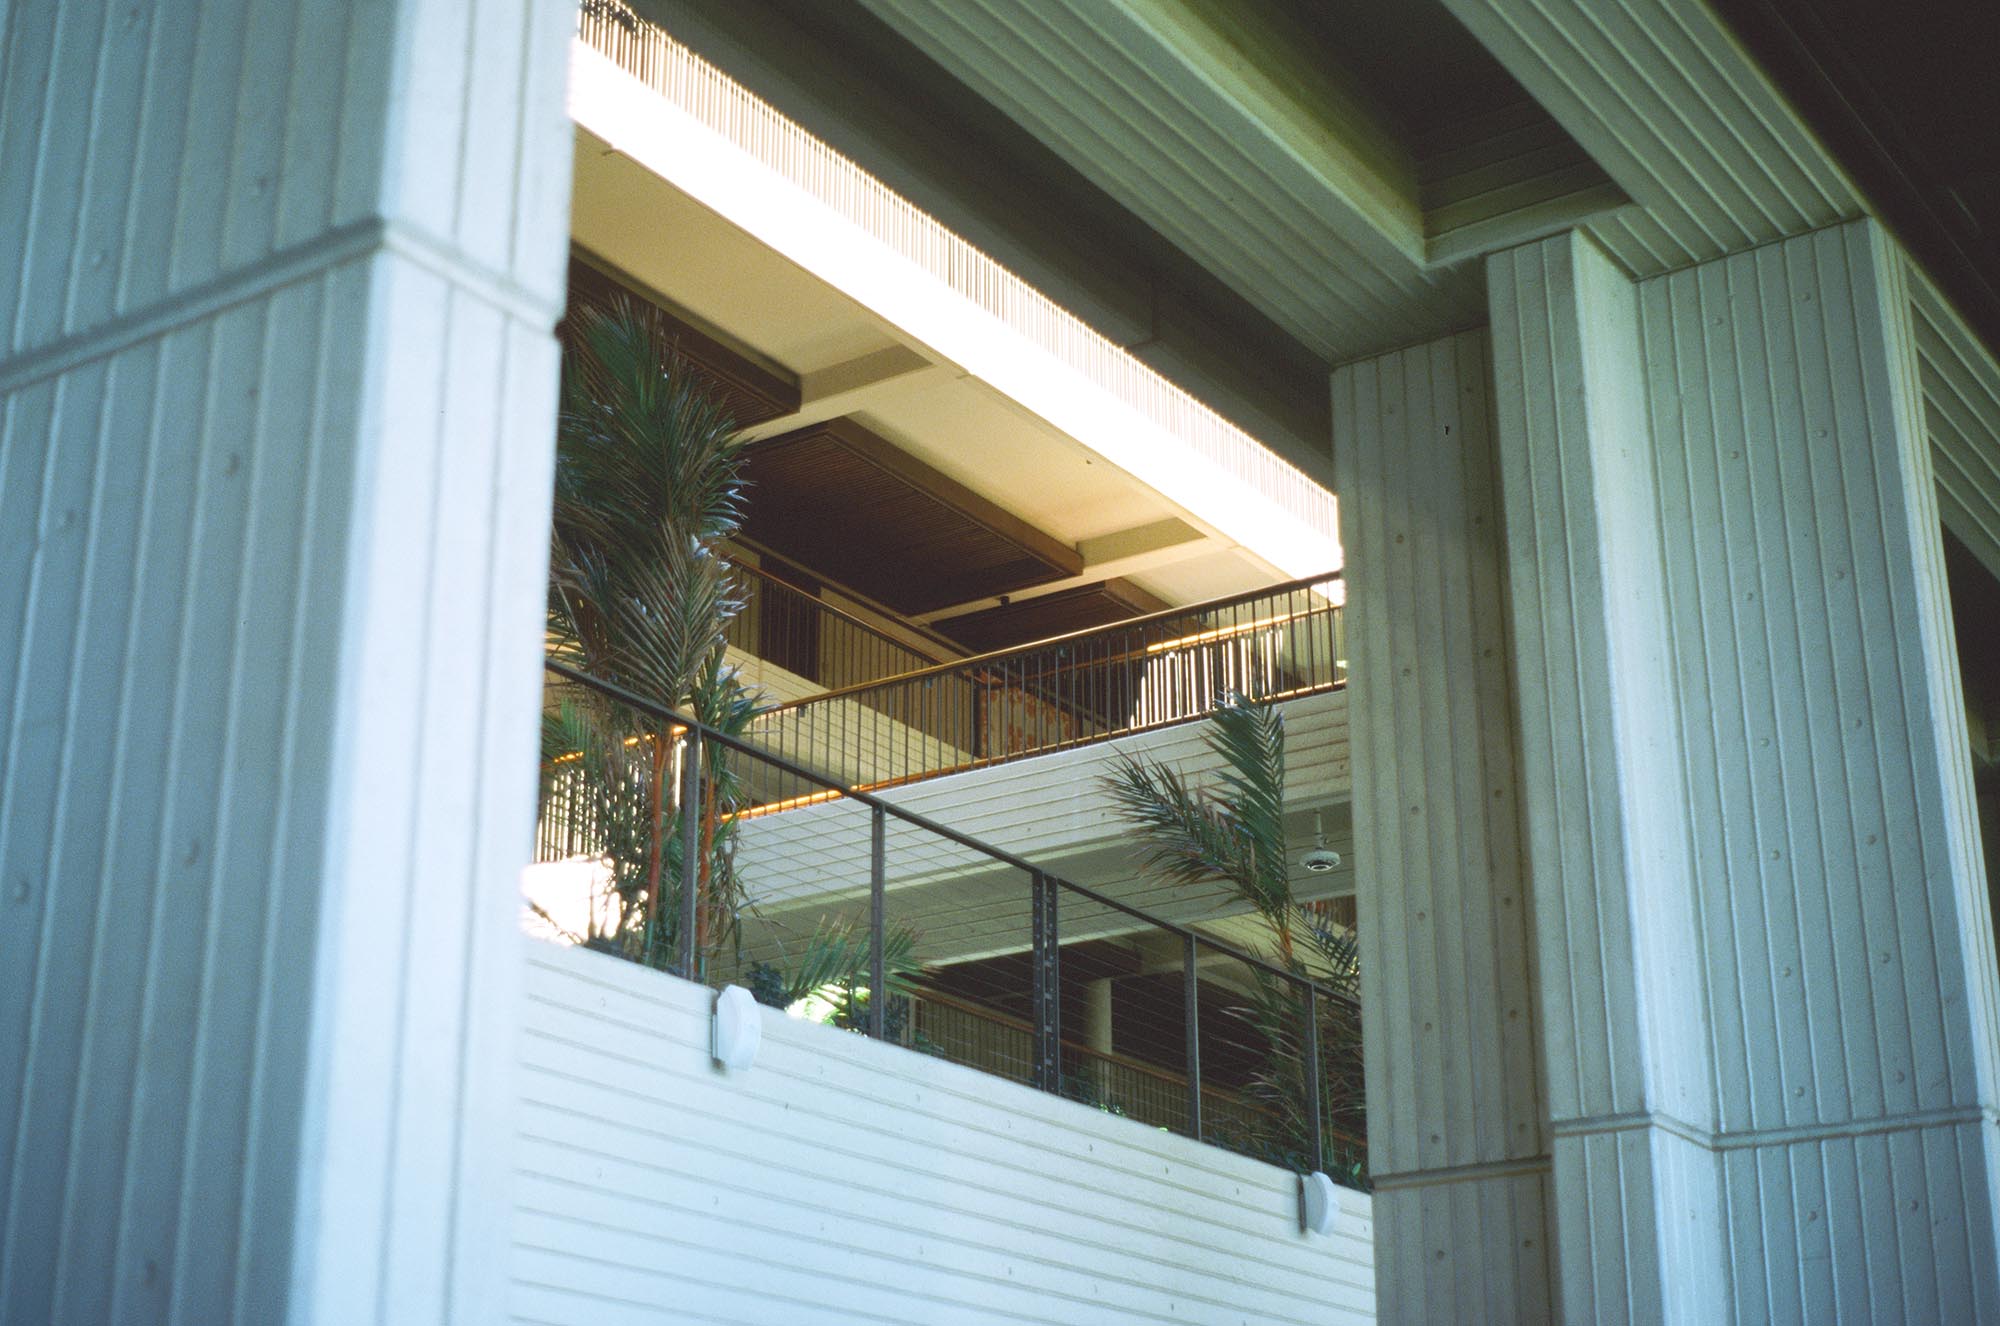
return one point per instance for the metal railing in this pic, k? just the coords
(1152, 671)
(812, 639)
(886, 922)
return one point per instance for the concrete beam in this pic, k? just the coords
(855, 384)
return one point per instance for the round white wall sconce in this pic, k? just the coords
(1319, 1204)
(736, 1031)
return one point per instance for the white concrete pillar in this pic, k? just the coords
(1766, 967)
(1097, 996)
(1456, 1146)
(1624, 1021)
(277, 381)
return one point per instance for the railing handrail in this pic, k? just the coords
(835, 610)
(925, 994)
(666, 713)
(1017, 651)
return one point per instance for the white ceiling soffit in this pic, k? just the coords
(733, 154)
(1680, 115)
(1311, 212)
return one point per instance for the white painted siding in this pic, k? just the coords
(1454, 1094)
(845, 1181)
(276, 405)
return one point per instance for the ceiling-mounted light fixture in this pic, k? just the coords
(1321, 858)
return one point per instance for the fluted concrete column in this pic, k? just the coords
(1456, 1143)
(275, 454)
(1625, 1021)
(1767, 974)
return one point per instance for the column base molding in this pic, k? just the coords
(1745, 1138)
(1512, 1168)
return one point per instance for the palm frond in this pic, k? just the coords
(1186, 836)
(1249, 739)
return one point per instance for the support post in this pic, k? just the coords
(1767, 977)
(1047, 986)
(1310, 1040)
(1192, 1002)
(687, 958)
(878, 915)
(1455, 1146)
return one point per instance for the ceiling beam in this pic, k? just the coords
(1666, 99)
(853, 385)
(1287, 187)
(1111, 556)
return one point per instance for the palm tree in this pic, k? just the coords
(648, 483)
(1233, 833)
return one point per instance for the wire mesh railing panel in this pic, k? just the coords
(1254, 1053)
(1125, 1043)
(966, 921)
(663, 848)
(802, 902)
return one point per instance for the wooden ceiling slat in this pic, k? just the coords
(853, 507)
(1049, 615)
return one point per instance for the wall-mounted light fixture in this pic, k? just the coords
(1319, 1204)
(737, 1029)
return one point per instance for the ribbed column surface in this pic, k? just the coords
(1454, 1087)
(278, 387)
(1766, 955)
(1624, 1016)
(1844, 927)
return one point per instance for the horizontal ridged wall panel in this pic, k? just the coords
(842, 1180)
(1054, 805)
(1053, 810)
(1454, 1082)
